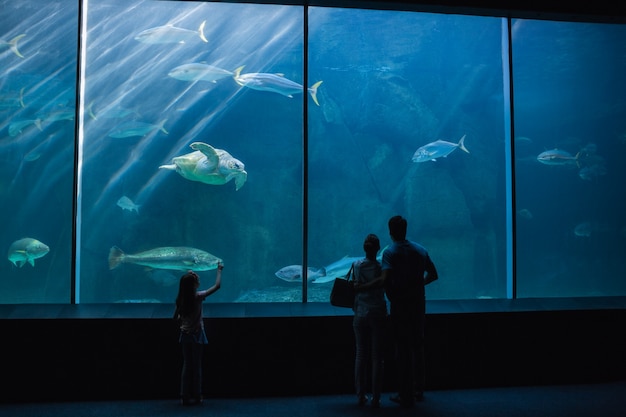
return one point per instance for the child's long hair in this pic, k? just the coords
(185, 305)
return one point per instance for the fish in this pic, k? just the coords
(126, 203)
(135, 128)
(275, 83)
(341, 267)
(12, 45)
(293, 273)
(56, 115)
(26, 250)
(591, 172)
(557, 157)
(13, 100)
(438, 149)
(17, 126)
(199, 72)
(583, 229)
(177, 258)
(116, 112)
(170, 34)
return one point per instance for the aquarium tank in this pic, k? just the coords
(141, 139)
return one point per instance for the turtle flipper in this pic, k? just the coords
(240, 179)
(208, 150)
(171, 167)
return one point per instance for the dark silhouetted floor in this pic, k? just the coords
(594, 400)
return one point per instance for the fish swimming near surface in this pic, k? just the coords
(438, 149)
(12, 45)
(126, 203)
(135, 128)
(293, 273)
(178, 258)
(199, 72)
(275, 83)
(170, 34)
(26, 250)
(557, 157)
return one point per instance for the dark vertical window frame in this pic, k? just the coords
(512, 250)
(78, 120)
(305, 150)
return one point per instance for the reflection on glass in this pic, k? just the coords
(37, 108)
(410, 122)
(192, 149)
(569, 147)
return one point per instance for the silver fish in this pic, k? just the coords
(341, 267)
(170, 34)
(293, 273)
(26, 250)
(275, 83)
(12, 45)
(557, 157)
(126, 203)
(178, 258)
(438, 149)
(199, 72)
(134, 128)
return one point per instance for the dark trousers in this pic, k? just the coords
(191, 376)
(408, 331)
(369, 333)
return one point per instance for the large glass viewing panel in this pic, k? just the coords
(401, 90)
(192, 149)
(570, 142)
(38, 43)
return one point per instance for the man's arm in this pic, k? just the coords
(431, 272)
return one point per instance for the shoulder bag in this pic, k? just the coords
(342, 294)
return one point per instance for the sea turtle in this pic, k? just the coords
(209, 165)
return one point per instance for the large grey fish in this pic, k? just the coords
(12, 45)
(275, 83)
(170, 34)
(178, 258)
(135, 128)
(341, 267)
(26, 250)
(557, 157)
(293, 273)
(437, 149)
(199, 72)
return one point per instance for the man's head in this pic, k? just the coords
(397, 228)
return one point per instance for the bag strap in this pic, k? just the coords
(349, 274)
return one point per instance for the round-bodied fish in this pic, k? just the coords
(26, 250)
(178, 258)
